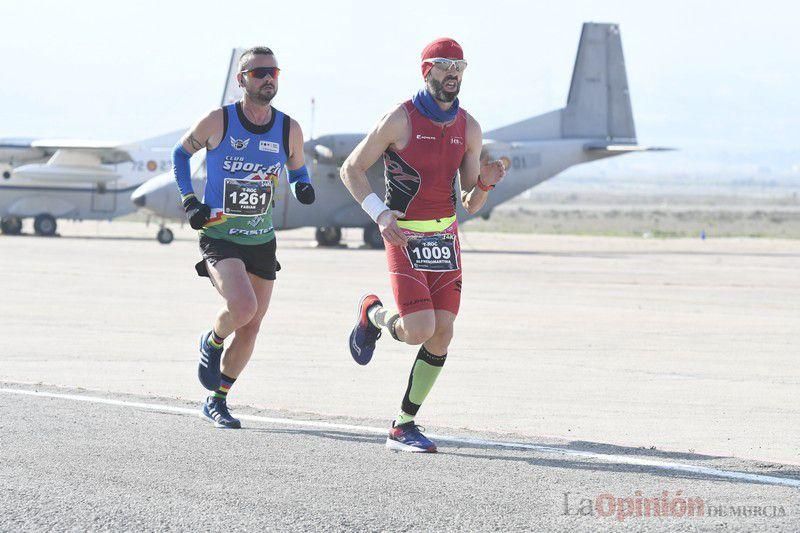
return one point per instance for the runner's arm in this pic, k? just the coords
(299, 180)
(390, 130)
(474, 196)
(208, 130)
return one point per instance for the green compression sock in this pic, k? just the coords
(403, 418)
(423, 375)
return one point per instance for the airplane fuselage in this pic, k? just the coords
(529, 164)
(30, 194)
(597, 122)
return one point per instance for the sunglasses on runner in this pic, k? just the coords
(262, 72)
(445, 64)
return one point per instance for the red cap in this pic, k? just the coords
(442, 47)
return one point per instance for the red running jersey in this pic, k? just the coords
(421, 178)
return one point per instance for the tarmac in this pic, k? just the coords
(644, 350)
(75, 465)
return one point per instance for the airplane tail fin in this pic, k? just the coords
(599, 103)
(230, 94)
(232, 90)
(598, 106)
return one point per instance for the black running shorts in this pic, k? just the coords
(258, 259)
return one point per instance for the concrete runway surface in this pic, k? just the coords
(667, 351)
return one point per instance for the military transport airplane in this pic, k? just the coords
(48, 179)
(597, 122)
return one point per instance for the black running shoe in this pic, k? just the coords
(216, 410)
(408, 437)
(364, 334)
(208, 369)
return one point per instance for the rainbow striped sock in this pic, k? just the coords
(225, 384)
(215, 340)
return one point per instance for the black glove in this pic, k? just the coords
(197, 212)
(304, 192)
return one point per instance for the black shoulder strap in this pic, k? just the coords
(224, 123)
(287, 123)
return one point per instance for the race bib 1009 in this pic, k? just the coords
(433, 253)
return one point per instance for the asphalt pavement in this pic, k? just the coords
(72, 465)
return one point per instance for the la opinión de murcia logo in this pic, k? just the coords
(607, 505)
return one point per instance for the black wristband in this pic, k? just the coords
(191, 202)
(304, 193)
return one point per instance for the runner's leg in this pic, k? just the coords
(241, 348)
(233, 284)
(443, 333)
(413, 328)
(427, 366)
(231, 281)
(227, 280)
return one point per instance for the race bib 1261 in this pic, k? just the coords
(247, 197)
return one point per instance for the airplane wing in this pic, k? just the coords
(107, 153)
(616, 148)
(71, 160)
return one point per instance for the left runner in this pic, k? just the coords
(248, 144)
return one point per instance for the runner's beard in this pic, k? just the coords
(438, 91)
(263, 95)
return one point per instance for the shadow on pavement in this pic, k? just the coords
(536, 458)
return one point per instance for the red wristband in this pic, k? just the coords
(482, 186)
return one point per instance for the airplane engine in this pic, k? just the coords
(332, 149)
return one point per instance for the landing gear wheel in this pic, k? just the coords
(165, 236)
(44, 225)
(328, 236)
(373, 238)
(11, 226)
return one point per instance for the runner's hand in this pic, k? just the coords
(492, 172)
(304, 192)
(197, 212)
(387, 222)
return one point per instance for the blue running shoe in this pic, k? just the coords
(208, 369)
(364, 334)
(408, 437)
(216, 410)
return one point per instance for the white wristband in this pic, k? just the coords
(373, 206)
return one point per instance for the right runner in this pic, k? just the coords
(425, 143)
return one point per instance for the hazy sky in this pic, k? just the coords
(722, 75)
